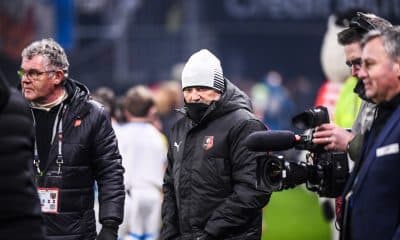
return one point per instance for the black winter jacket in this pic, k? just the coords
(210, 182)
(20, 216)
(90, 153)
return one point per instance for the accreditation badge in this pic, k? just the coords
(49, 199)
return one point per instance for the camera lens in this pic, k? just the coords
(273, 172)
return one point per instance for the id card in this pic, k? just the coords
(49, 199)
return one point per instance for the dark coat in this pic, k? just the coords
(90, 153)
(20, 216)
(374, 209)
(210, 182)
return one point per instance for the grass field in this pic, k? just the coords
(294, 215)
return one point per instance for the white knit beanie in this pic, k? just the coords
(203, 69)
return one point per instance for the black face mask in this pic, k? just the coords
(196, 111)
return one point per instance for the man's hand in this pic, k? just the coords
(333, 137)
(109, 231)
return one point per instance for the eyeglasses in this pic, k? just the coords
(355, 62)
(32, 74)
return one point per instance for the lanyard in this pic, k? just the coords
(59, 159)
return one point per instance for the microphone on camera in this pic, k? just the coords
(265, 141)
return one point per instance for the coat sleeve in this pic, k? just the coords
(246, 202)
(108, 170)
(169, 212)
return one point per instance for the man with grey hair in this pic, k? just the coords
(75, 146)
(372, 197)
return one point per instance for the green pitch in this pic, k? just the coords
(294, 214)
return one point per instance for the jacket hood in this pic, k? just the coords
(78, 96)
(232, 99)
(76, 89)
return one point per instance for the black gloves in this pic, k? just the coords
(109, 231)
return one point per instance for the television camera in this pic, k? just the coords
(324, 172)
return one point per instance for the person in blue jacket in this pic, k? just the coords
(372, 195)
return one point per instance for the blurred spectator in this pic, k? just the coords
(119, 110)
(272, 102)
(144, 152)
(168, 99)
(302, 92)
(17, 29)
(106, 96)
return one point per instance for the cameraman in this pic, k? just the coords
(334, 137)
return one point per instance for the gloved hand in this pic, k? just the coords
(109, 231)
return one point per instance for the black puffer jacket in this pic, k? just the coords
(20, 216)
(210, 182)
(90, 153)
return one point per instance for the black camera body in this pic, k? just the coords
(324, 172)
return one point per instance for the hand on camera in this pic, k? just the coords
(333, 137)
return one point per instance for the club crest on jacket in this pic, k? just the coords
(208, 142)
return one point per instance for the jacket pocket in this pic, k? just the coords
(223, 172)
(63, 224)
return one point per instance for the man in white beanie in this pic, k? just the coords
(210, 182)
